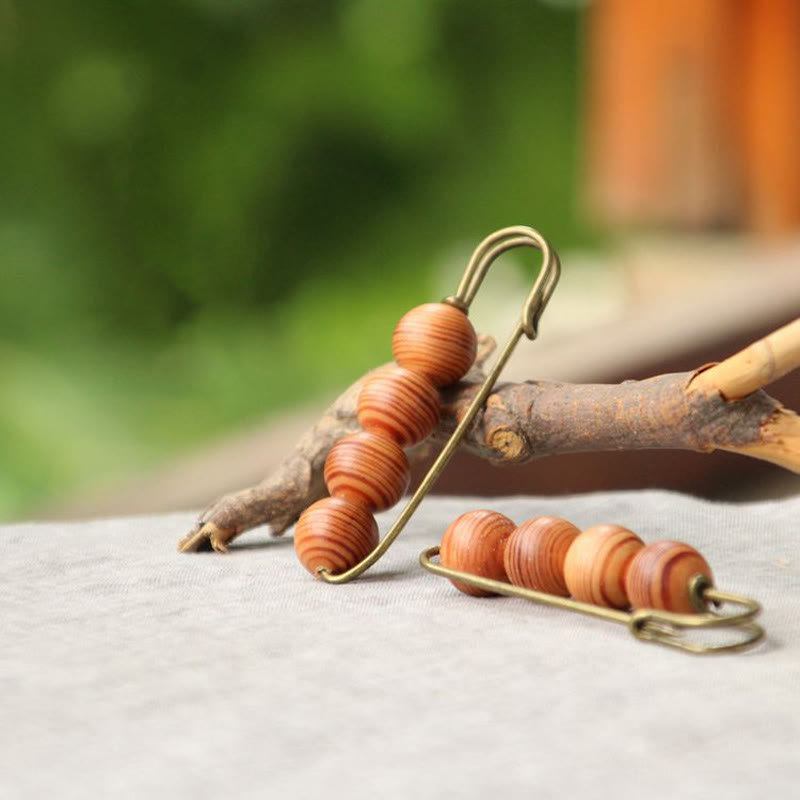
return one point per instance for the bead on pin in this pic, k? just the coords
(659, 591)
(433, 345)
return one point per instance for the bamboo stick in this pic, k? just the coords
(756, 366)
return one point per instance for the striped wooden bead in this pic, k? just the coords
(436, 340)
(399, 403)
(660, 576)
(536, 552)
(367, 468)
(475, 543)
(597, 563)
(335, 534)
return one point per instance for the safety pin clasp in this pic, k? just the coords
(670, 630)
(648, 625)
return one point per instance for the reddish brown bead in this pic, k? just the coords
(367, 468)
(536, 552)
(597, 563)
(335, 534)
(436, 340)
(475, 543)
(399, 403)
(661, 574)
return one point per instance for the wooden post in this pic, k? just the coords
(693, 113)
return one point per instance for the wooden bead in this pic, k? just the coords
(475, 543)
(369, 469)
(660, 575)
(536, 552)
(597, 563)
(399, 403)
(436, 340)
(334, 533)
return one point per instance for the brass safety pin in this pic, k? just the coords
(649, 625)
(484, 256)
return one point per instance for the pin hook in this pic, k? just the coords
(491, 248)
(487, 252)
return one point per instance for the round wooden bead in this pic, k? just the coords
(660, 574)
(334, 533)
(536, 552)
(437, 340)
(597, 563)
(369, 469)
(399, 403)
(475, 543)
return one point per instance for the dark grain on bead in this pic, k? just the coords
(475, 543)
(334, 533)
(399, 403)
(660, 575)
(367, 468)
(536, 552)
(437, 340)
(597, 563)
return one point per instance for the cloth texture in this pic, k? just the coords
(129, 670)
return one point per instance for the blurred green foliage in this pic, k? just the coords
(213, 208)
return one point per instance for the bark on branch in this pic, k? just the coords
(718, 407)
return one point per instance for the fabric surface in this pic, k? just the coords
(129, 670)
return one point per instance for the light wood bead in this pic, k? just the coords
(660, 574)
(475, 543)
(367, 468)
(334, 533)
(597, 563)
(535, 554)
(436, 340)
(399, 403)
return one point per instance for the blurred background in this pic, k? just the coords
(213, 212)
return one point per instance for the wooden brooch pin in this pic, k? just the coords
(336, 538)
(660, 591)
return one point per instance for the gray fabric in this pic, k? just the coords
(128, 670)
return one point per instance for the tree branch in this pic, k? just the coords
(539, 418)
